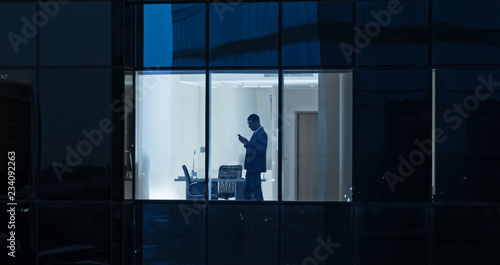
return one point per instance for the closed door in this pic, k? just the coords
(307, 155)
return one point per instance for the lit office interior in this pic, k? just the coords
(382, 119)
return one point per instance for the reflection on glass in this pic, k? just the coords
(172, 234)
(465, 32)
(18, 141)
(170, 132)
(471, 233)
(305, 227)
(18, 42)
(392, 124)
(317, 135)
(75, 159)
(391, 32)
(402, 229)
(80, 34)
(243, 34)
(234, 96)
(314, 32)
(468, 116)
(242, 234)
(74, 233)
(174, 35)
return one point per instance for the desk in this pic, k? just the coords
(240, 185)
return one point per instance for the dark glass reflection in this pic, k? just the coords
(18, 141)
(315, 32)
(76, 33)
(243, 34)
(174, 35)
(75, 134)
(392, 235)
(18, 31)
(391, 135)
(242, 234)
(74, 234)
(315, 234)
(465, 32)
(466, 235)
(468, 117)
(391, 32)
(173, 233)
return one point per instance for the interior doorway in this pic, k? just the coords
(307, 155)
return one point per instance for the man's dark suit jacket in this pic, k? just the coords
(255, 157)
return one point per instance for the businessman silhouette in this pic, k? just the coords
(255, 158)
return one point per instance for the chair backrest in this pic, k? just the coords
(230, 172)
(227, 189)
(186, 174)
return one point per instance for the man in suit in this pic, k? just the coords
(255, 158)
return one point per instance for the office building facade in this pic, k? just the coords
(382, 120)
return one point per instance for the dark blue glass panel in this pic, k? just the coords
(74, 233)
(75, 134)
(243, 34)
(173, 233)
(392, 32)
(314, 33)
(391, 119)
(18, 42)
(242, 234)
(316, 234)
(392, 235)
(468, 117)
(174, 35)
(18, 233)
(77, 33)
(466, 235)
(465, 32)
(19, 121)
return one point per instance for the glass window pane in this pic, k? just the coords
(173, 233)
(465, 235)
(465, 32)
(18, 42)
(70, 233)
(242, 234)
(174, 35)
(392, 235)
(243, 34)
(76, 33)
(234, 97)
(309, 230)
(170, 133)
(468, 117)
(391, 32)
(75, 134)
(19, 119)
(317, 135)
(392, 124)
(314, 32)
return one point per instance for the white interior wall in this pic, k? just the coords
(166, 140)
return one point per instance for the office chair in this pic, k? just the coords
(227, 189)
(195, 189)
